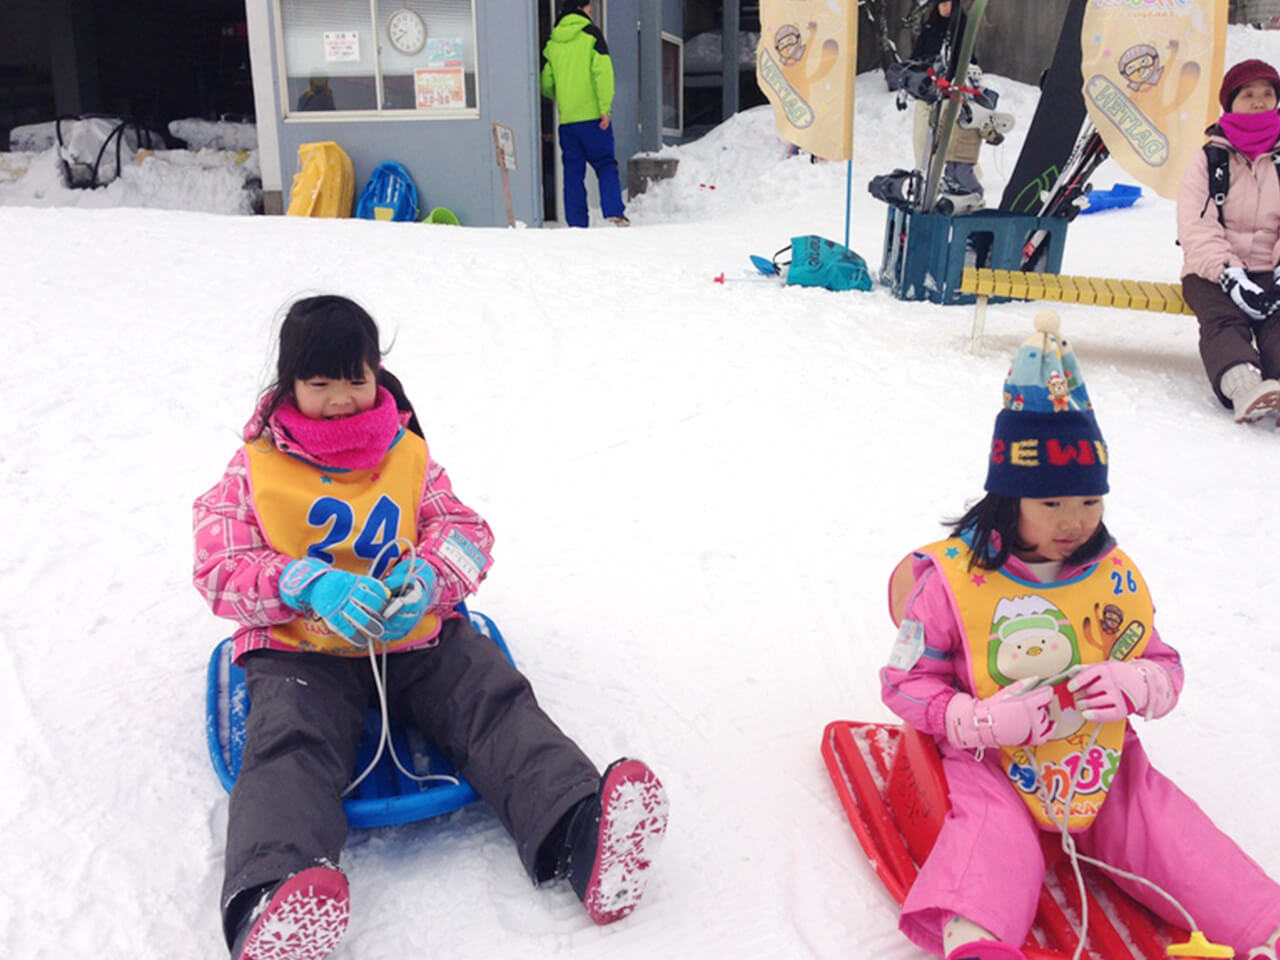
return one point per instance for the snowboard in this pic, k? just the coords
(1055, 124)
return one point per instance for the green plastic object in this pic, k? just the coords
(443, 215)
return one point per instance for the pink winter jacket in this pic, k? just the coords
(1251, 236)
(920, 695)
(239, 573)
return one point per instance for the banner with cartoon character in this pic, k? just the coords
(1151, 74)
(805, 64)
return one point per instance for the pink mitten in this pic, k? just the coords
(1014, 716)
(1113, 689)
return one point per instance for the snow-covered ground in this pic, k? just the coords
(698, 492)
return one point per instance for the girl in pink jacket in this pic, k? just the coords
(1026, 642)
(333, 537)
(1229, 228)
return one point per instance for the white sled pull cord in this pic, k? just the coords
(1197, 944)
(380, 683)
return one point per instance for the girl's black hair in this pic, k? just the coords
(330, 336)
(996, 513)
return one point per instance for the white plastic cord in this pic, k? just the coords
(1069, 848)
(380, 683)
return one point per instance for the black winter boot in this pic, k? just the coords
(300, 918)
(612, 839)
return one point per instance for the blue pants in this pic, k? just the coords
(582, 143)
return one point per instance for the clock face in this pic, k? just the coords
(406, 31)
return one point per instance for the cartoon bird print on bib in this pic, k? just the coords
(1017, 629)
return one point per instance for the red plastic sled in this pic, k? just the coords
(891, 784)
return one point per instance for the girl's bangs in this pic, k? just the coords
(338, 356)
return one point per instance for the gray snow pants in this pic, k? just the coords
(304, 725)
(1227, 336)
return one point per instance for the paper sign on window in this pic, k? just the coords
(341, 46)
(439, 87)
(444, 52)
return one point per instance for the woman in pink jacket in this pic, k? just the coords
(1230, 236)
(1026, 642)
(300, 543)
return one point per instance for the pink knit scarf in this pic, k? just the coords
(352, 443)
(1251, 133)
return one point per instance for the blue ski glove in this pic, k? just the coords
(413, 589)
(1253, 301)
(350, 604)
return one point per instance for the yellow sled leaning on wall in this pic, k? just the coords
(325, 183)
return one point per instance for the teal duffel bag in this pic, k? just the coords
(819, 262)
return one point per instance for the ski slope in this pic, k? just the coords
(698, 492)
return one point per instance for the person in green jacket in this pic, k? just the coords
(578, 75)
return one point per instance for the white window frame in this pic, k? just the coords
(677, 131)
(376, 114)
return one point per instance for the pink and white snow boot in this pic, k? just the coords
(301, 919)
(614, 838)
(986, 950)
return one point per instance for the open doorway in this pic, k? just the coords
(552, 168)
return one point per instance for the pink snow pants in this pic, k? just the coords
(987, 864)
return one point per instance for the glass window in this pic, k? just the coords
(379, 55)
(672, 85)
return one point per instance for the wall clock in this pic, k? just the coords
(406, 31)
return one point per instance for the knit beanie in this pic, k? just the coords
(1046, 441)
(1245, 72)
(572, 6)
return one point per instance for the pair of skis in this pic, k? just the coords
(944, 87)
(1072, 186)
(945, 114)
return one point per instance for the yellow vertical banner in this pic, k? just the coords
(805, 64)
(1151, 75)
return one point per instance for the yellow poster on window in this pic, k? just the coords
(1151, 74)
(435, 87)
(805, 64)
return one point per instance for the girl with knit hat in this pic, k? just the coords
(1230, 236)
(1026, 642)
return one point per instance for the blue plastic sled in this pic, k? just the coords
(384, 798)
(389, 194)
(1121, 195)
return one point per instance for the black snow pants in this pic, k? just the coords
(1227, 336)
(304, 725)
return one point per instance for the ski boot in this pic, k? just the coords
(961, 190)
(898, 189)
(991, 125)
(956, 204)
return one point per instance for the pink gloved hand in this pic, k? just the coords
(1016, 715)
(1113, 689)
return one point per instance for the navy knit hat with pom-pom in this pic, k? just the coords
(1046, 441)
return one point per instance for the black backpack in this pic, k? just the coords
(1220, 176)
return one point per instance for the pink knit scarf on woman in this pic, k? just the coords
(1251, 133)
(351, 443)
